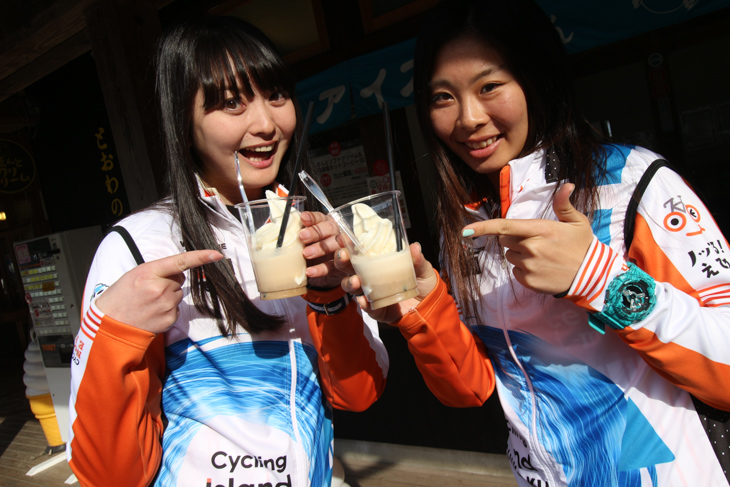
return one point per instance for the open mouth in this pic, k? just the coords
(481, 144)
(259, 153)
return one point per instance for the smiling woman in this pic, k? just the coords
(477, 107)
(259, 127)
(179, 351)
(608, 354)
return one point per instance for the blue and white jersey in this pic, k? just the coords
(243, 409)
(194, 408)
(585, 409)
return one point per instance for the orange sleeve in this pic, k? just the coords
(351, 376)
(453, 362)
(687, 367)
(118, 426)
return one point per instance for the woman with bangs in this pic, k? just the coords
(181, 375)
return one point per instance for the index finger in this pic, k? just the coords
(177, 264)
(503, 226)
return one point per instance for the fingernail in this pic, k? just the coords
(467, 233)
(420, 249)
(338, 254)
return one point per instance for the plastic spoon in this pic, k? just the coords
(317, 192)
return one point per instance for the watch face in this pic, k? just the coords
(635, 296)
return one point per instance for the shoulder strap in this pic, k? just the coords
(714, 420)
(129, 241)
(631, 210)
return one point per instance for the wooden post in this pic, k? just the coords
(122, 35)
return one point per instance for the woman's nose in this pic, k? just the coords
(472, 114)
(261, 118)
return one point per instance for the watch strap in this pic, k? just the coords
(630, 297)
(331, 308)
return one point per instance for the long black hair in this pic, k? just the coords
(534, 54)
(213, 54)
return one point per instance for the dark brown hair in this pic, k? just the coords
(534, 54)
(212, 53)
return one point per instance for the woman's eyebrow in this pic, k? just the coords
(486, 72)
(482, 74)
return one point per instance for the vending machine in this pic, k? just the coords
(53, 269)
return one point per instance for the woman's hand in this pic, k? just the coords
(147, 296)
(425, 278)
(318, 237)
(546, 254)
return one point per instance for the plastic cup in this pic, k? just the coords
(387, 276)
(279, 272)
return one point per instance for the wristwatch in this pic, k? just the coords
(630, 297)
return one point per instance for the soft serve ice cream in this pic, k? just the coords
(376, 235)
(386, 274)
(280, 272)
(267, 235)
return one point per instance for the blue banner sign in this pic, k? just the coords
(363, 83)
(585, 24)
(357, 87)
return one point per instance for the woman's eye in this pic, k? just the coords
(440, 97)
(278, 96)
(232, 104)
(489, 87)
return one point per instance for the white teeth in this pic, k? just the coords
(481, 144)
(265, 151)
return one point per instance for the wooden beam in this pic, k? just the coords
(122, 40)
(45, 64)
(55, 36)
(48, 29)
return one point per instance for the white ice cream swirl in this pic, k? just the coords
(376, 235)
(268, 234)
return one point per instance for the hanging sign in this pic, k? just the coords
(17, 168)
(342, 172)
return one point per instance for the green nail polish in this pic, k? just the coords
(467, 233)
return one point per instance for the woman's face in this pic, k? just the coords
(477, 107)
(259, 128)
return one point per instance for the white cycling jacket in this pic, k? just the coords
(249, 410)
(605, 402)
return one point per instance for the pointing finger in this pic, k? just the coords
(177, 264)
(502, 226)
